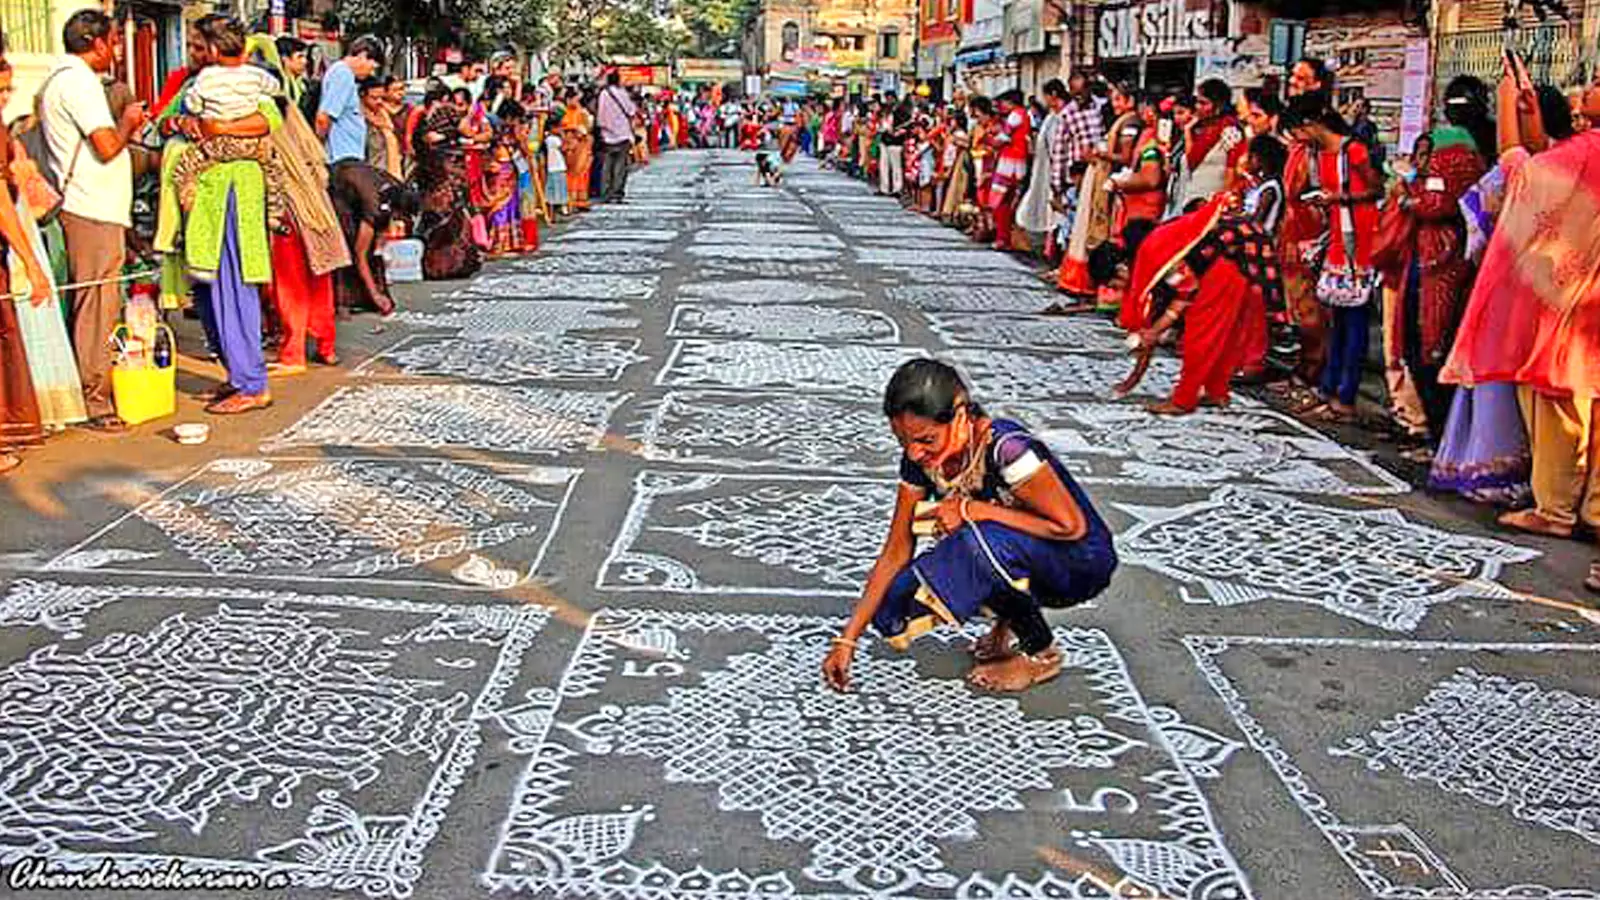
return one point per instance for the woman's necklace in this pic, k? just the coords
(969, 480)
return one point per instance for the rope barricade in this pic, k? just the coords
(130, 276)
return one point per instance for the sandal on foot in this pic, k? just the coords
(9, 462)
(1018, 673)
(240, 403)
(1165, 408)
(1530, 521)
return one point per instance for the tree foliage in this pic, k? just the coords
(717, 24)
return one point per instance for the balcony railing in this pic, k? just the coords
(26, 24)
(1554, 55)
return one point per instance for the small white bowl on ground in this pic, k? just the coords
(191, 433)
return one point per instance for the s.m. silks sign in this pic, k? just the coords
(1159, 28)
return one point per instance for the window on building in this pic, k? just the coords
(27, 25)
(791, 36)
(889, 45)
(1288, 42)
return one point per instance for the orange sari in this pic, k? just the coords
(577, 146)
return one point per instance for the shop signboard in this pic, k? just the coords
(1155, 28)
(1414, 97)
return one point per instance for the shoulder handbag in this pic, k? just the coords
(1397, 228)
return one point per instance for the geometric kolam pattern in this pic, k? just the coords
(909, 786)
(765, 290)
(783, 321)
(402, 521)
(1021, 330)
(781, 536)
(785, 366)
(495, 317)
(558, 287)
(968, 299)
(1460, 739)
(1032, 376)
(955, 259)
(805, 433)
(505, 358)
(314, 739)
(502, 418)
(1123, 444)
(1372, 565)
(1465, 790)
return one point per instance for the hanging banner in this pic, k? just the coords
(1414, 94)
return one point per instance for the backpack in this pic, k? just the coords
(38, 148)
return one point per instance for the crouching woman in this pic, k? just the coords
(1015, 535)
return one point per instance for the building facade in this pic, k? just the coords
(833, 47)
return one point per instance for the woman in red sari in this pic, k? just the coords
(1212, 269)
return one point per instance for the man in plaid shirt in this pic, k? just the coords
(1085, 129)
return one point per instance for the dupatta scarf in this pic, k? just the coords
(1534, 315)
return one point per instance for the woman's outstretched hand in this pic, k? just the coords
(836, 667)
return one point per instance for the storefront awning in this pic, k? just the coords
(980, 56)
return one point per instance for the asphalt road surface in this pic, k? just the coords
(532, 598)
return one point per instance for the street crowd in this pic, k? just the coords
(1268, 236)
(268, 201)
(1265, 236)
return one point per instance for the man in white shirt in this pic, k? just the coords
(730, 124)
(90, 162)
(616, 112)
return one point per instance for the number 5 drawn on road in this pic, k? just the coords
(1098, 801)
(658, 669)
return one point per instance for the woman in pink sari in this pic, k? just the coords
(1534, 320)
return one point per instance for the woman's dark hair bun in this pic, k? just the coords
(928, 389)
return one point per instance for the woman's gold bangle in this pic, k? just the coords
(844, 642)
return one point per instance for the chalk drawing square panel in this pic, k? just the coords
(585, 235)
(1467, 777)
(956, 259)
(696, 533)
(783, 366)
(1375, 566)
(523, 317)
(927, 244)
(946, 274)
(777, 243)
(773, 268)
(576, 287)
(783, 321)
(696, 755)
(766, 290)
(505, 358)
(960, 329)
(600, 251)
(1120, 443)
(575, 264)
(1019, 376)
(971, 299)
(537, 421)
(312, 741)
(804, 433)
(753, 252)
(752, 227)
(400, 521)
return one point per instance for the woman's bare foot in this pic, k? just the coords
(1530, 521)
(1017, 673)
(1593, 581)
(9, 461)
(994, 646)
